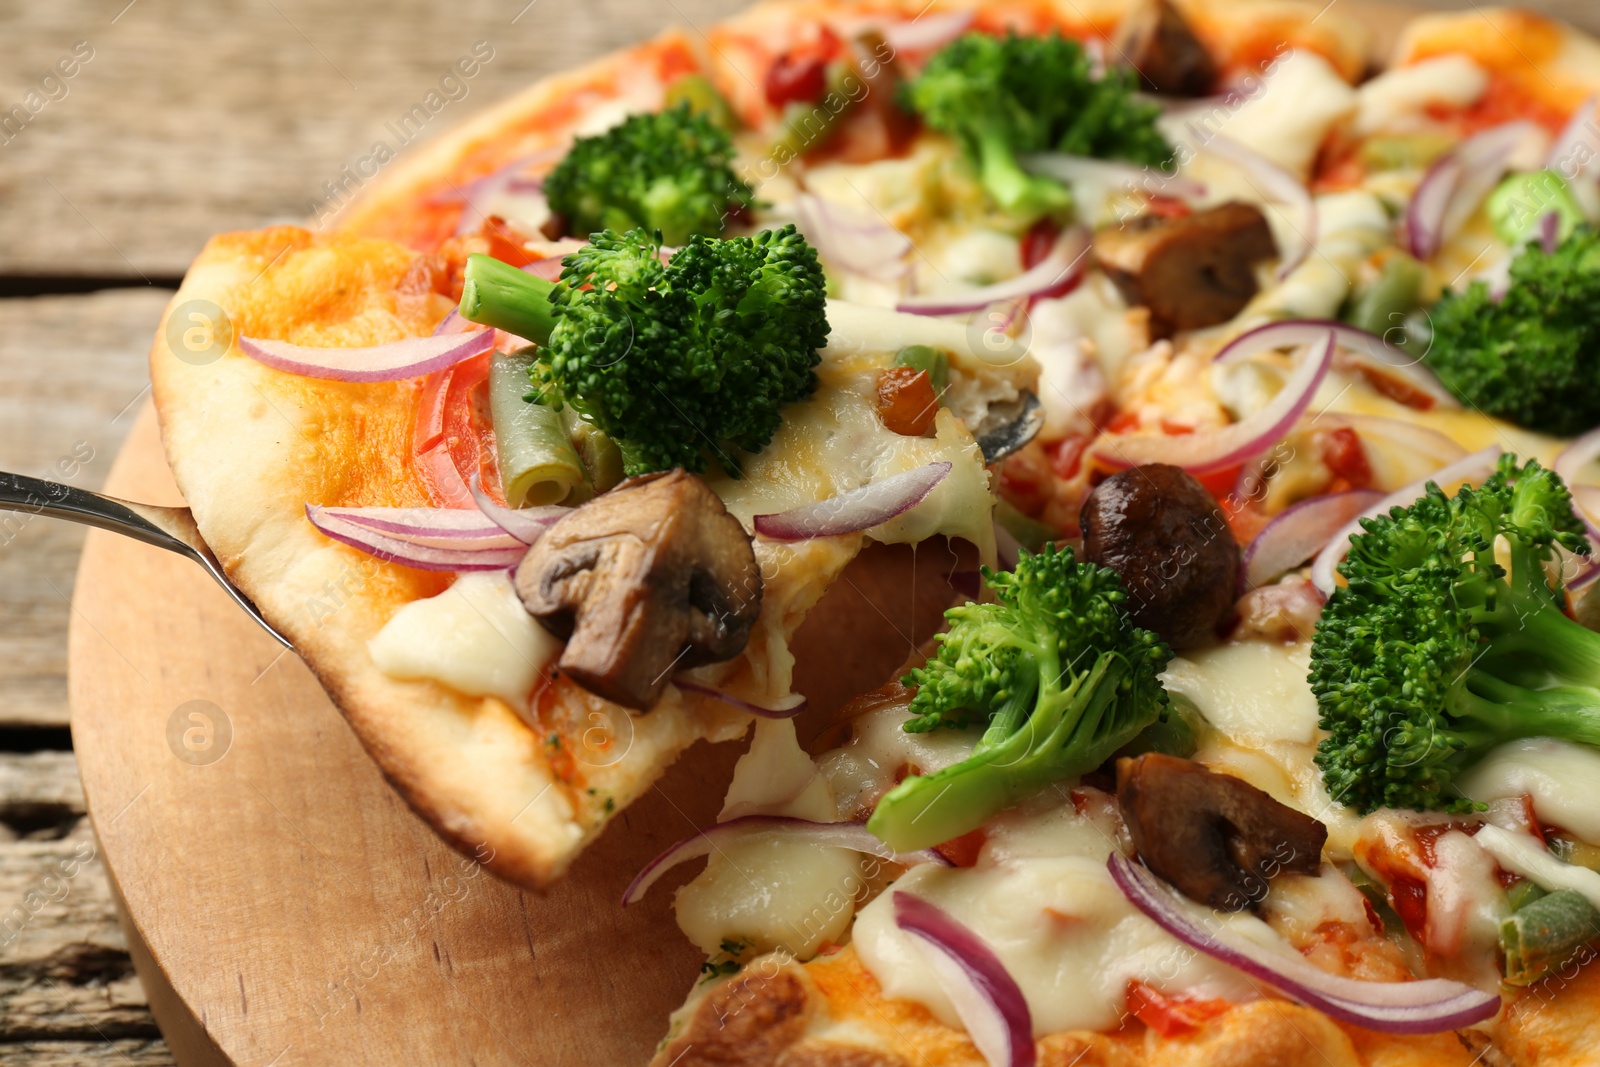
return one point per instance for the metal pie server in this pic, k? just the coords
(170, 528)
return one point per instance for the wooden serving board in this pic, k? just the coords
(285, 907)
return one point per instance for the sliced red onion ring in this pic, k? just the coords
(408, 553)
(1550, 232)
(1426, 1006)
(1300, 532)
(1107, 173)
(410, 358)
(926, 32)
(789, 710)
(1586, 501)
(1064, 263)
(982, 991)
(548, 268)
(855, 510)
(1574, 153)
(455, 529)
(1477, 466)
(853, 240)
(1214, 450)
(849, 835)
(1275, 185)
(524, 524)
(1457, 183)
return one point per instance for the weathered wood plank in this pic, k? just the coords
(64, 967)
(41, 798)
(70, 371)
(127, 1053)
(187, 121)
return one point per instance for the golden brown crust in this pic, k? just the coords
(1551, 63)
(833, 1014)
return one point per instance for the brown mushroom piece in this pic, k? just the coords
(1161, 47)
(1216, 838)
(1160, 530)
(1191, 271)
(652, 577)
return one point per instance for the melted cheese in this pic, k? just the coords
(1063, 930)
(870, 765)
(1525, 855)
(474, 637)
(1253, 691)
(1302, 99)
(1398, 99)
(772, 892)
(1562, 778)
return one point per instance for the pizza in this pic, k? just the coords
(1246, 373)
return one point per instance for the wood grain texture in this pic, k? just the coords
(71, 370)
(191, 119)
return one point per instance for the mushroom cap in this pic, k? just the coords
(652, 577)
(1158, 527)
(1215, 837)
(1191, 272)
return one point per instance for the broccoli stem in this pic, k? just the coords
(1014, 189)
(1018, 755)
(500, 295)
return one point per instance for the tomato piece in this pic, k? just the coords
(1036, 245)
(452, 438)
(1066, 456)
(963, 851)
(797, 77)
(1167, 207)
(1345, 455)
(1168, 1015)
(906, 401)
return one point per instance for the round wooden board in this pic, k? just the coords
(285, 907)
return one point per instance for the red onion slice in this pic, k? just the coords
(855, 510)
(1109, 173)
(861, 243)
(1414, 439)
(1477, 466)
(1214, 450)
(407, 553)
(524, 524)
(926, 32)
(984, 994)
(1064, 263)
(1426, 1006)
(1457, 183)
(1300, 532)
(1275, 185)
(1578, 454)
(410, 358)
(1574, 153)
(848, 835)
(451, 528)
(789, 709)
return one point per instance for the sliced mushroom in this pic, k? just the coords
(1193, 271)
(1159, 44)
(1218, 839)
(1160, 530)
(650, 578)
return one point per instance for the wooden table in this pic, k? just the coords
(180, 120)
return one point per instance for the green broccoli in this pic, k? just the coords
(1434, 653)
(1062, 676)
(668, 171)
(677, 361)
(1533, 356)
(1003, 98)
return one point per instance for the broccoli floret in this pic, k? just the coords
(1005, 97)
(676, 362)
(1062, 677)
(1532, 357)
(668, 171)
(1434, 653)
